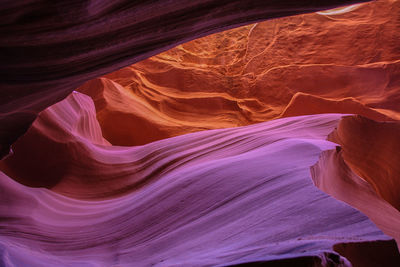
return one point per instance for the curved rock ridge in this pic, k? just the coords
(371, 150)
(332, 175)
(364, 173)
(307, 104)
(306, 64)
(50, 48)
(211, 198)
(60, 136)
(126, 119)
(59, 154)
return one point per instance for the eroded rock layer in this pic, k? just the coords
(49, 48)
(371, 149)
(152, 170)
(347, 62)
(212, 198)
(333, 176)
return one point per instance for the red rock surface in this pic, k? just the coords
(300, 65)
(50, 48)
(371, 149)
(332, 175)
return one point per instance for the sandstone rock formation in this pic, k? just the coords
(212, 198)
(236, 149)
(300, 65)
(50, 48)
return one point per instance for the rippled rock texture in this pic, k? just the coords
(299, 65)
(212, 198)
(48, 48)
(236, 149)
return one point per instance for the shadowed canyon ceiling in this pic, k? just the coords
(246, 133)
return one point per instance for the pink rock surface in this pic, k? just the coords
(211, 198)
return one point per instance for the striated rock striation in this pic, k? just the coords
(48, 49)
(212, 198)
(371, 149)
(198, 156)
(68, 155)
(307, 64)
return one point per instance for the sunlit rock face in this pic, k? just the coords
(48, 48)
(363, 172)
(345, 60)
(237, 149)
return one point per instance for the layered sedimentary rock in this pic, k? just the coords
(148, 170)
(363, 171)
(212, 198)
(347, 62)
(50, 48)
(371, 149)
(332, 175)
(80, 163)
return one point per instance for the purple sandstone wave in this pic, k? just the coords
(212, 198)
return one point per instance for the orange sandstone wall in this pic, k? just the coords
(323, 62)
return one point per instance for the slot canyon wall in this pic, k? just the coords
(299, 65)
(275, 143)
(50, 48)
